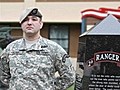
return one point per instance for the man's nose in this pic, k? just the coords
(29, 22)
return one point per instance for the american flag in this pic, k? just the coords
(100, 13)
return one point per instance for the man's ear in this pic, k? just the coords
(41, 24)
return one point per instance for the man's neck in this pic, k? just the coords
(32, 37)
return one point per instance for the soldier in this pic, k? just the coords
(30, 63)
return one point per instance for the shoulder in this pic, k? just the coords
(50, 43)
(15, 43)
(11, 46)
(53, 45)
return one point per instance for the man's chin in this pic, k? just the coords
(29, 32)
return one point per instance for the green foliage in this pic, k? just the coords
(71, 88)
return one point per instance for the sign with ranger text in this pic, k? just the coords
(99, 57)
(102, 71)
(105, 56)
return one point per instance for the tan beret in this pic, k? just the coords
(30, 11)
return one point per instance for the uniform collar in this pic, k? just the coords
(37, 46)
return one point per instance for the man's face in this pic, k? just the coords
(31, 25)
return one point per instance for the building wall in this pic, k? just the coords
(54, 11)
(56, 0)
(74, 38)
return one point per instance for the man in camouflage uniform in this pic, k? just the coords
(30, 63)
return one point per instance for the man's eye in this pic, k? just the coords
(26, 19)
(34, 19)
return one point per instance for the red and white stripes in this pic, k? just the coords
(101, 13)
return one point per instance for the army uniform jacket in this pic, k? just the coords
(34, 68)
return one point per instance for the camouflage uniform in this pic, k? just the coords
(34, 68)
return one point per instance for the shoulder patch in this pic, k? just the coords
(64, 57)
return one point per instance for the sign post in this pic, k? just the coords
(99, 52)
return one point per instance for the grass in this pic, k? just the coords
(71, 88)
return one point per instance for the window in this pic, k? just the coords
(6, 35)
(60, 34)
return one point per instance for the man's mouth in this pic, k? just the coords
(29, 28)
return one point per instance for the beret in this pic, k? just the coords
(30, 11)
